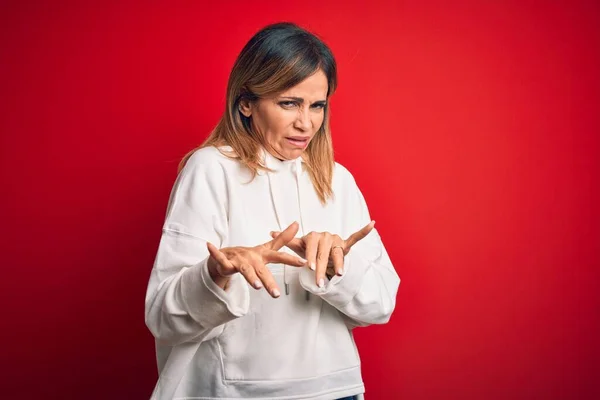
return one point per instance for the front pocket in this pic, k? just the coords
(286, 338)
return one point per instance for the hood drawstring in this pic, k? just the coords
(298, 170)
(297, 167)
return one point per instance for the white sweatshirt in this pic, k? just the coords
(241, 343)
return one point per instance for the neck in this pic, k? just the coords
(275, 154)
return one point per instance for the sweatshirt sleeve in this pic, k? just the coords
(366, 293)
(182, 301)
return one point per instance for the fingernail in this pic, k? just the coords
(276, 293)
(302, 260)
(312, 266)
(321, 282)
(341, 271)
(258, 284)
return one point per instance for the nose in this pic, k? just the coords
(303, 121)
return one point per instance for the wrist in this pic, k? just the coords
(219, 279)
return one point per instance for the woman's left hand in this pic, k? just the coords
(325, 251)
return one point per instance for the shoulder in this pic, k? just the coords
(205, 173)
(350, 196)
(211, 161)
(207, 157)
(342, 176)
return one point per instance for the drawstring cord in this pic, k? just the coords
(303, 232)
(298, 166)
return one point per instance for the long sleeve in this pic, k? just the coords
(182, 301)
(366, 293)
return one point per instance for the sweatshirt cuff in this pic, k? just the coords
(340, 290)
(207, 303)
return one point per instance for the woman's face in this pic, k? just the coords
(289, 120)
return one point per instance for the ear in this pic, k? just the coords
(245, 107)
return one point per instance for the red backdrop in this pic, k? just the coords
(483, 115)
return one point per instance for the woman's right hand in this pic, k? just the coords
(250, 261)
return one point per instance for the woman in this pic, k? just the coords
(268, 257)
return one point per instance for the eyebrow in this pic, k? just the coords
(301, 100)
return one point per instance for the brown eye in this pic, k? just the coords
(287, 104)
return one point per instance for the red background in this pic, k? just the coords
(472, 129)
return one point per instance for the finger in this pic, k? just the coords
(226, 268)
(359, 235)
(284, 237)
(296, 244)
(330, 272)
(272, 256)
(266, 278)
(337, 255)
(248, 272)
(311, 244)
(323, 253)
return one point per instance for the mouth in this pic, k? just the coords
(298, 141)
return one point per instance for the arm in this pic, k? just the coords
(183, 303)
(366, 293)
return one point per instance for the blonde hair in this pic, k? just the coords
(275, 59)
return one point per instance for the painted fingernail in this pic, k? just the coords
(302, 260)
(276, 293)
(258, 284)
(321, 282)
(312, 266)
(341, 271)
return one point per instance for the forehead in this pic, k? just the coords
(313, 87)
